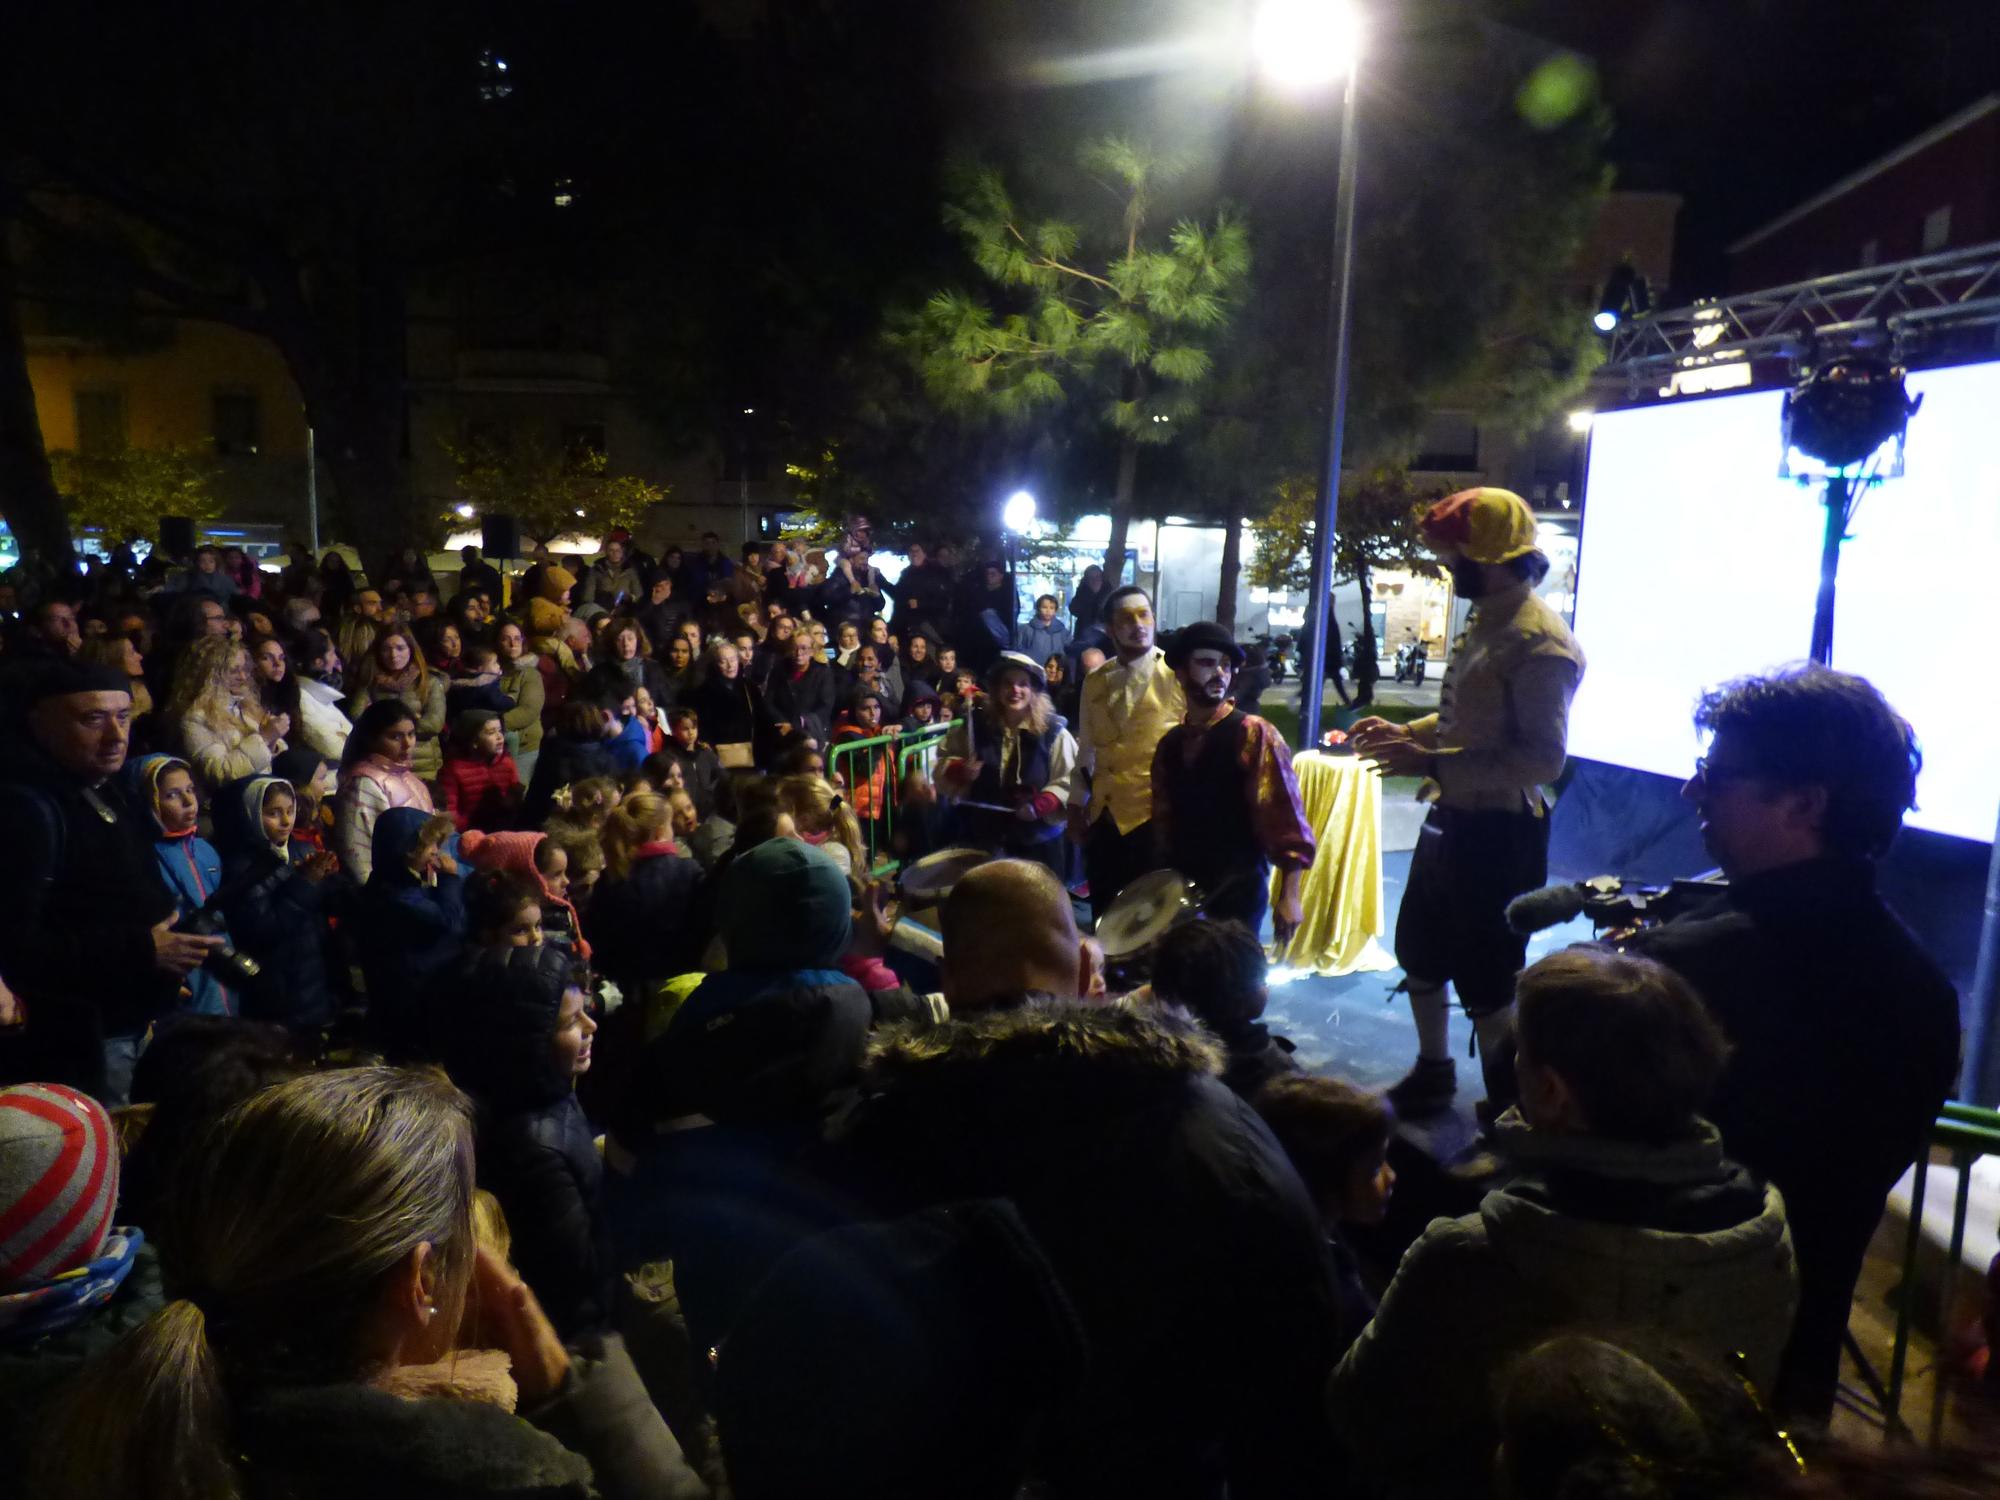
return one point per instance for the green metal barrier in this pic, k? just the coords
(1967, 1132)
(873, 771)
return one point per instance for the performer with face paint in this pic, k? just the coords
(1501, 732)
(1225, 803)
(1126, 706)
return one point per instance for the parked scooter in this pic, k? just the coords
(1412, 661)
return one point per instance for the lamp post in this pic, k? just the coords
(1303, 45)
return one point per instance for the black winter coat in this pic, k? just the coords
(1148, 1183)
(805, 704)
(562, 761)
(1844, 1042)
(542, 1164)
(728, 709)
(638, 926)
(80, 891)
(279, 918)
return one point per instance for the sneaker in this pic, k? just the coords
(1427, 1089)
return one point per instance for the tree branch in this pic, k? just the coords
(1056, 265)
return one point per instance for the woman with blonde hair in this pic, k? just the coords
(728, 704)
(395, 669)
(640, 919)
(825, 821)
(214, 714)
(330, 1327)
(1008, 765)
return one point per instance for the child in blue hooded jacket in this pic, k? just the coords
(408, 927)
(164, 785)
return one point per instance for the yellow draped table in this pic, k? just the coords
(1343, 889)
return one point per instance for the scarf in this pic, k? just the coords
(38, 1308)
(394, 683)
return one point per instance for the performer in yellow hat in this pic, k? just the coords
(1500, 733)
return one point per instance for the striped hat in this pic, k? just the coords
(58, 1180)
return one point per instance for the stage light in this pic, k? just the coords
(1579, 421)
(1626, 294)
(1305, 44)
(1018, 514)
(464, 512)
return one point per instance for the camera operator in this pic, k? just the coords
(1844, 1034)
(86, 935)
(1501, 731)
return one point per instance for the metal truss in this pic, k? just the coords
(1893, 306)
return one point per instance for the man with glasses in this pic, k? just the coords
(1500, 733)
(1843, 1032)
(1225, 803)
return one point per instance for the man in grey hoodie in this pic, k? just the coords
(1626, 1213)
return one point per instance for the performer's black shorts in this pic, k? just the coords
(1453, 924)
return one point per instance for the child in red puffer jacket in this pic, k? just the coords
(479, 784)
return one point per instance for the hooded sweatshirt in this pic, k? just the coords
(408, 932)
(1597, 1233)
(193, 871)
(275, 914)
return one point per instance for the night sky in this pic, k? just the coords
(1745, 107)
(1748, 106)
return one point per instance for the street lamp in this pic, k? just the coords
(1301, 46)
(1018, 514)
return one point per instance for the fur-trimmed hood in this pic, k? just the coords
(1045, 1034)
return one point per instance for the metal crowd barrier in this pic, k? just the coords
(1967, 1132)
(873, 771)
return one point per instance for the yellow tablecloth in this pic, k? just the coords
(1343, 889)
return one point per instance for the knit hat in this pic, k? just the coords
(1483, 525)
(57, 678)
(298, 765)
(1202, 635)
(555, 582)
(58, 1180)
(785, 905)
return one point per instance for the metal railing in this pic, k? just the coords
(873, 771)
(1967, 1133)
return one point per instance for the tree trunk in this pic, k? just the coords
(28, 495)
(1121, 511)
(1366, 652)
(1232, 567)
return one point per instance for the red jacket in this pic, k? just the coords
(475, 790)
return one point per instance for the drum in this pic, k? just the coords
(929, 880)
(1145, 911)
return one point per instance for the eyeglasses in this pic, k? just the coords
(1709, 774)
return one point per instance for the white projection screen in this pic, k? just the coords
(1699, 564)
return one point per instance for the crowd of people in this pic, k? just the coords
(453, 1042)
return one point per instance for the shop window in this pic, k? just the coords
(100, 421)
(234, 421)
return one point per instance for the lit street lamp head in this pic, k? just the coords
(1018, 514)
(1305, 44)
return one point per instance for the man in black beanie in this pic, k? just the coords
(86, 924)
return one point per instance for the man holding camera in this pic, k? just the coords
(87, 940)
(1843, 1032)
(1501, 731)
